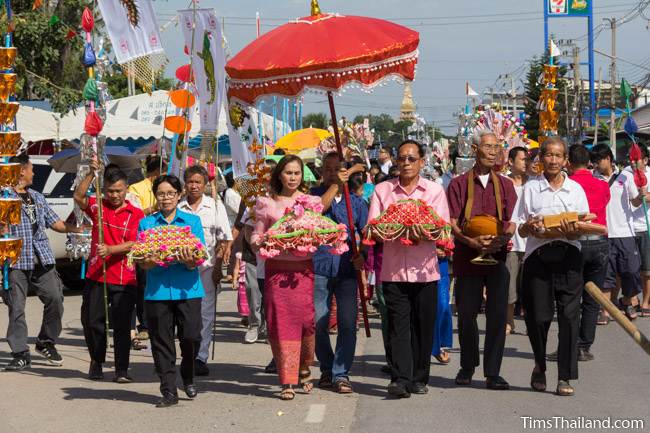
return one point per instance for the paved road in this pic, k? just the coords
(239, 397)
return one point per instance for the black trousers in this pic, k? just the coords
(162, 318)
(139, 301)
(411, 311)
(121, 300)
(469, 297)
(553, 281)
(594, 258)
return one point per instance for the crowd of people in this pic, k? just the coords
(292, 301)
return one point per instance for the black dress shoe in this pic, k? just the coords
(386, 369)
(201, 368)
(271, 368)
(168, 399)
(497, 383)
(95, 371)
(398, 390)
(419, 388)
(464, 377)
(122, 377)
(190, 390)
(585, 355)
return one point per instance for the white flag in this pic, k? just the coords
(208, 63)
(469, 91)
(555, 51)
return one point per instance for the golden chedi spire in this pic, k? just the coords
(407, 111)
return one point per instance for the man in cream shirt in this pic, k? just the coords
(218, 234)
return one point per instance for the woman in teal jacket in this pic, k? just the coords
(173, 296)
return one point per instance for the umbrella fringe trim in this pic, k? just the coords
(322, 90)
(239, 83)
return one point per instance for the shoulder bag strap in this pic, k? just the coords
(470, 195)
(613, 179)
(497, 193)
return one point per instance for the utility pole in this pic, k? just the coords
(577, 103)
(612, 96)
(600, 86)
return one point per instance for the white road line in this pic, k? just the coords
(316, 413)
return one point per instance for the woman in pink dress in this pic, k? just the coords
(288, 283)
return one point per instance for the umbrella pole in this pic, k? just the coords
(346, 196)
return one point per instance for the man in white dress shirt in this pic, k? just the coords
(624, 258)
(552, 276)
(217, 232)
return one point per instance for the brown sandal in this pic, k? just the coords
(137, 344)
(343, 386)
(564, 388)
(287, 393)
(306, 381)
(443, 358)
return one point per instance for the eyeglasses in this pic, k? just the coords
(163, 195)
(409, 158)
(492, 147)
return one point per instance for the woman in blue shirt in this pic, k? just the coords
(173, 296)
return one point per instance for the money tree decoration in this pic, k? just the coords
(164, 244)
(406, 218)
(302, 230)
(548, 117)
(636, 157)
(10, 209)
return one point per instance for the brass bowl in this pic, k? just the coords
(7, 57)
(9, 174)
(482, 225)
(9, 143)
(10, 250)
(8, 112)
(7, 86)
(10, 210)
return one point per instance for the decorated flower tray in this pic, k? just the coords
(164, 245)
(301, 231)
(402, 219)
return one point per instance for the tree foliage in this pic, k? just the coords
(48, 64)
(316, 120)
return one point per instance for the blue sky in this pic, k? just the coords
(460, 40)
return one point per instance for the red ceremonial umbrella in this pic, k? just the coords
(324, 52)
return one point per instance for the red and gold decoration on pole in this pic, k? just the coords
(324, 53)
(10, 208)
(548, 117)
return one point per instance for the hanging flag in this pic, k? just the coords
(133, 31)
(555, 50)
(469, 91)
(208, 63)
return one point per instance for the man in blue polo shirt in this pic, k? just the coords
(335, 276)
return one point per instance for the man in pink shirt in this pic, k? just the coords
(594, 248)
(409, 276)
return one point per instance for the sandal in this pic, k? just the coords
(645, 312)
(564, 389)
(443, 358)
(325, 381)
(305, 381)
(538, 381)
(343, 386)
(603, 318)
(630, 311)
(287, 393)
(136, 344)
